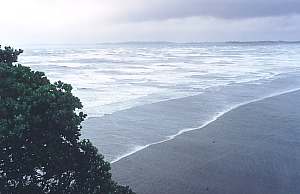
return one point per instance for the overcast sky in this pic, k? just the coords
(94, 21)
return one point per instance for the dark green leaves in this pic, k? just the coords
(9, 55)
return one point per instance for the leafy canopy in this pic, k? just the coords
(40, 149)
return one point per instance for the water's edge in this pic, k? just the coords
(220, 114)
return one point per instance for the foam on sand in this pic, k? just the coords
(220, 114)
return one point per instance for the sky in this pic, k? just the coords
(96, 21)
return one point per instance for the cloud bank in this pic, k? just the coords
(226, 9)
(94, 21)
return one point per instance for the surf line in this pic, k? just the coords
(216, 117)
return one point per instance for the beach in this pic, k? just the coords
(139, 94)
(254, 148)
(186, 117)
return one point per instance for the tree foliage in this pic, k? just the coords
(40, 148)
(9, 55)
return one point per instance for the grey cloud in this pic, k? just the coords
(227, 9)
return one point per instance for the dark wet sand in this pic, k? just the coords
(254, 149)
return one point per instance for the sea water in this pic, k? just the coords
(140, 94)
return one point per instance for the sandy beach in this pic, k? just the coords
(253, 149)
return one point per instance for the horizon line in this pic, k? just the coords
(171, 42)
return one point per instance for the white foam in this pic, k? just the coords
(220, 114)
(118, 74)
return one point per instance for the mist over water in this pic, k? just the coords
(139, 93)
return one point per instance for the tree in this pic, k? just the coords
(9, 55)
(40, 148)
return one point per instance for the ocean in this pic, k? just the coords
(138, 94)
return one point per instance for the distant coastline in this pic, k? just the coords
(204, 42)
(264, 42)
(165, 43)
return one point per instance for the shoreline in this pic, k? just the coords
(253, 149)
(171, 137)
(125, 132)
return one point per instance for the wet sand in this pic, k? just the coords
(253, 149)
